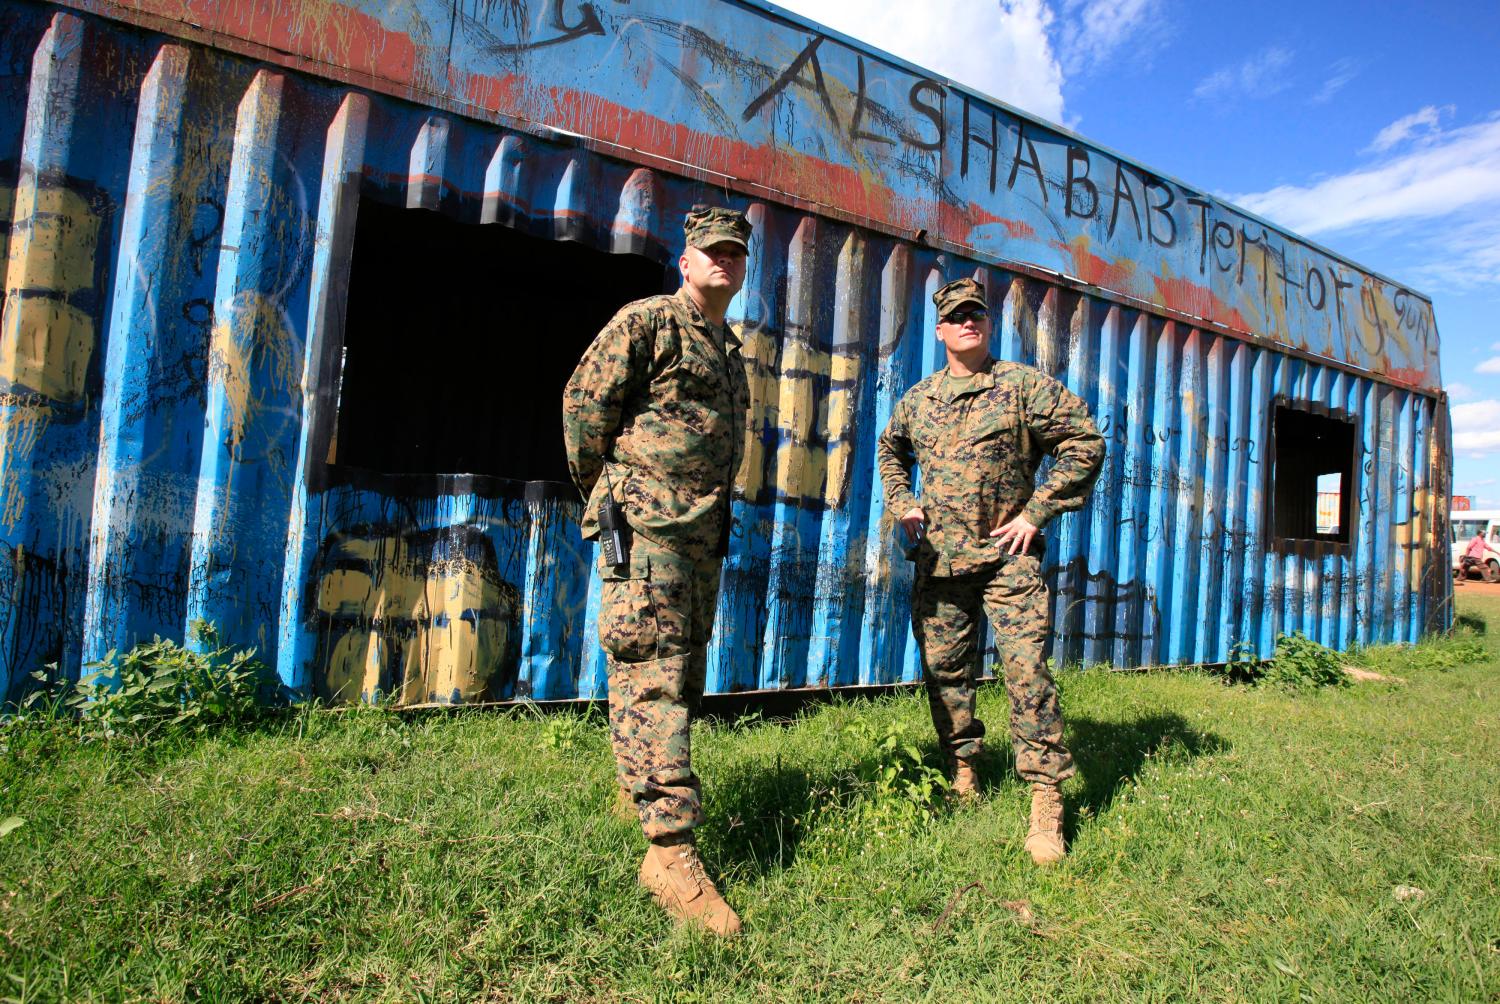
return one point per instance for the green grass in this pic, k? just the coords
(1228, 843)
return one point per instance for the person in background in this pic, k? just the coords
(1474, 553)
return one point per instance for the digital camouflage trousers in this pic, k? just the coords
(654, 626)
(945, 618)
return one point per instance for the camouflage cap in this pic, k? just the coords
(960, 291)
(706, 226)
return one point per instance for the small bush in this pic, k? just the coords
(1301, 663)
(157, 686)
(1298, 663)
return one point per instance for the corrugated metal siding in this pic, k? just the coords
(182, 222)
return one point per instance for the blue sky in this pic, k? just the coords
(1371, 127)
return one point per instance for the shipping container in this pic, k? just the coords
(292, 289)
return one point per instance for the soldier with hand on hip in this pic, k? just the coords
(654, 420)
(978, 429)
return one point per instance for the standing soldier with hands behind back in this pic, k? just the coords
(654, 419)
(978, 428)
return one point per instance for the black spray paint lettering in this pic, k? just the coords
(1123, 193)
(1080, 181)
(1339, 285)
(1247, 446)
(1162, 209)
(1024, 155)
(1223, 241)
(1202, 208)
(1033, 164)
(1409, 309)
(1373, 321)
(865, 108)
(992, 145)
(1316, 303)
(861, 103)
(1082, 197)
(1264, 243)
(588, 24)
(1404, 308)
(1218, 241)
(933, 113)
(1227, 243)
(793, 75)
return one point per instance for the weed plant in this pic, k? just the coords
(156, 686)
(1298, 663)
(893, 793)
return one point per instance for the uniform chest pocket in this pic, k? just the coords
(997, 426)
(698, 372)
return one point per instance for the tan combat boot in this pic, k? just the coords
(624, 808)
(965, 779)
(1044, 840)
(673, 873)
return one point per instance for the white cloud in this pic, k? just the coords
(1491, 365)
(1090, 31)
(1486, 482)
(1426, 121)
(1451, 171)
(1006, 53)
(1462, 254)
(1342, 71)
(1259, 76)
(1459, 391)
(1476, 426)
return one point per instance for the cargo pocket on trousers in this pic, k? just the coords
(628, 628)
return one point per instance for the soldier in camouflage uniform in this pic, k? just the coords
(655, 416)
(979, 429)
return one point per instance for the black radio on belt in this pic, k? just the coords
(612, 527)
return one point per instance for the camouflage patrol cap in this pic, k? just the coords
(706, 226)
(960, 291)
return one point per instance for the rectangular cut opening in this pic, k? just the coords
(459, 338)
(1313, 477)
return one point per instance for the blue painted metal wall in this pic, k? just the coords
(181, 192)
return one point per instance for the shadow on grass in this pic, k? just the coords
(761, 815)
(1110, 754)
(1469, 622)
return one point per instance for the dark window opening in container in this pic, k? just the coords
(1313, 477)
(459, 338)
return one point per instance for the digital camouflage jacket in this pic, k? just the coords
(979, 443)
(660, 401)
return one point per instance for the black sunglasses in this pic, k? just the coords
(975, 314)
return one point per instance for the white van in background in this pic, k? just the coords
(1463, 524)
